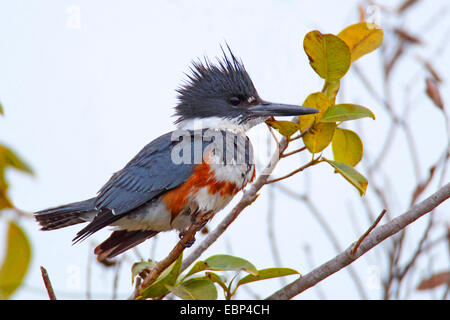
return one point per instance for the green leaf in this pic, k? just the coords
(345, 112)
(351, 175)
(328, 55)
(223, 262)
(168, 277)
(16, 262)
(362, 38)
(195, 289)
(286, 128)
(267, 274)
(198, 267)
(1, 109)
(216, 279)
(347, 147)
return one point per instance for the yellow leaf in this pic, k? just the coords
(16, 262)
(331, 89)
(347, 147)
(286, 128)
(319, 136)
(328, 55)
(317, 100)
(9, 159)
(362, 38)
(5, 203)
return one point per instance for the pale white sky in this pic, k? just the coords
(86, 84)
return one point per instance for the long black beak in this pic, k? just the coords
(279, 109)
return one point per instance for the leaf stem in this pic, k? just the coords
(309, 164)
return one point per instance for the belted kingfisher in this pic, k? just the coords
(166, 184)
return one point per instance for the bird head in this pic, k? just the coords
(222, 95)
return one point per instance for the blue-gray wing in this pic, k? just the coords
(149, 174)
(162, 165)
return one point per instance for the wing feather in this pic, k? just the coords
(150, 173)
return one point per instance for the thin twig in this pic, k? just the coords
(116, 279)
(309, 164)
(271, 231)
(284, 155)
(418, 250)
(89, 272)
(22, 213)
(48, 284)
(273, 134)
(358, 243)
(137, 287)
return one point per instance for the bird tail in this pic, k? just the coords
(64, 216)
(121, 241)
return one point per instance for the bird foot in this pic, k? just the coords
(186, 244)
(202, 218)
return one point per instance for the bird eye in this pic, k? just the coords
(234, 101)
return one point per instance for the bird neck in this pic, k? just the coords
(218, 123)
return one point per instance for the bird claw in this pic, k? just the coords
(186, 244)
(201, 219)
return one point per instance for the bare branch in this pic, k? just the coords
(378, 235)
